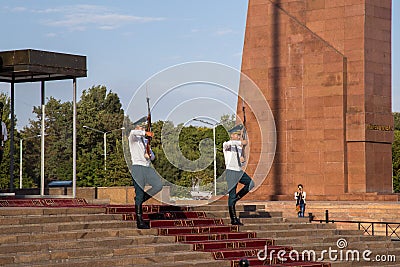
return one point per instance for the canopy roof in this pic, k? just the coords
(33, 65)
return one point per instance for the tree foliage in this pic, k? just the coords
(100, 111)
(5, 164)
(97, 109)
(396, 116)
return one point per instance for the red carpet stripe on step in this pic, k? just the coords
(43, 202)
(185, 223)
(198, 230)
(218, 236)
(224, 242)
(165, 215)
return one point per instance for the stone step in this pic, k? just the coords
(31, 211)
(46, 219)
(62, 255)
(362, 264)
(239, 208)
(344, 215)
(284, 227)
(391, 258)
(111, 242)
(295, 233)
(186, 223)
(201, 229)
(352, 246)
(331, 240)
(297, 219)
(328, 240)
(195, 263)
(209, 237)
(169, 258)
(74, 235)
(276, 205)
(224, 213)
(216, 245)
(59, 227)
(339, 210)
(98, 239)
(290, 226)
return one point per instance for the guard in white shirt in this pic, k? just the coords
(142, 171)
(234, 161)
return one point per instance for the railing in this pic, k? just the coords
(392, 229)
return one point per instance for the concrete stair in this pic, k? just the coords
(90, 237)
(303, 236)
(344, 211)
(70, 237)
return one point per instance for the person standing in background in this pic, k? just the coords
(3, 131)
(300, 197)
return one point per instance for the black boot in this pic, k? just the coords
(241, 194)
(146, 197)
(139, 218)
(232, 213)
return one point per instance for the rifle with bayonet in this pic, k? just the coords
(244, 132)
(148, 128)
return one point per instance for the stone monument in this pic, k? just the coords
(324, 67)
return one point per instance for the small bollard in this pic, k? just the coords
(326, 216)
(310, 216)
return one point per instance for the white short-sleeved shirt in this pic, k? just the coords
(137, 147)
(232, 152)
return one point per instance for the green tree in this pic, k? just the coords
(98, 109)
(5, 164)
(101, 110)
(58, 143)
(190, 138)
(396, 117)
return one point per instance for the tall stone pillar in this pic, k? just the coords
(324, 67)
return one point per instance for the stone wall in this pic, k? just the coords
(111, 195)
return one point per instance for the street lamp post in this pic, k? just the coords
(215, 152)
(215, 162)
(104, 141)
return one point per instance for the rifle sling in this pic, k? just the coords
(237, 156)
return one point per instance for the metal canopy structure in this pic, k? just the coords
(29, 65)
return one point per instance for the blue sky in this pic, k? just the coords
(126, 42)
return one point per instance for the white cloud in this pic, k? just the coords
(224, 32)
(81, 17)
(18, 9)
(51, 34)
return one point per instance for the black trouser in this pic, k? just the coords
(233, 178)
(143, 175)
